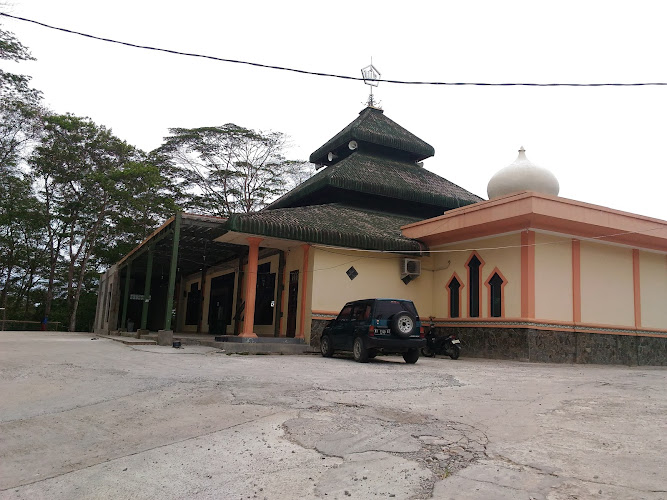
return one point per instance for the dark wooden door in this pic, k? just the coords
(292, 300)
(220, 305)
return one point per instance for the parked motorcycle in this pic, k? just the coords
(448, 345)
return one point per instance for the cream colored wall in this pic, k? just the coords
(607, 295)
(379, 276)
(553, 277)
(653, 290)
(507, 260)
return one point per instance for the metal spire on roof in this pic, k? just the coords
(371, 76)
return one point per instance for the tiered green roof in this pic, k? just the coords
(367, 191)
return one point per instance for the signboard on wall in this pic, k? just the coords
(139, 296)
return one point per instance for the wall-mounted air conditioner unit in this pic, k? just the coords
(411, 267)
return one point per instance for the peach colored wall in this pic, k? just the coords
(553, 277)
(379, 276)
(607, 295)
(507, 260)
(653, 289)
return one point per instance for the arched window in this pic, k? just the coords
(474, 265)
(454, 298)
(496, 289)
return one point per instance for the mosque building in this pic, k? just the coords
(524, 275)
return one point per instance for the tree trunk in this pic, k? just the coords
(3, 297)
(79, 287)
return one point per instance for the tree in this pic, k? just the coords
(21, 239)
(96, 189)
(230, 169)
(21, 245)
(20, 107)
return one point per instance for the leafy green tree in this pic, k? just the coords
(230, 169)
(20, 107)
(83, 200)
(22, 245)
(21, 236)
(97, 190)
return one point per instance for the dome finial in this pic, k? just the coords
(522, 155)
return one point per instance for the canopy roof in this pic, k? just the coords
(197, 247)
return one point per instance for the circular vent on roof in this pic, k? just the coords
(353, 145)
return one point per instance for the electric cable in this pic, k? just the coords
(505, 247)
(331, 75)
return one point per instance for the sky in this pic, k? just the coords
(606, 145)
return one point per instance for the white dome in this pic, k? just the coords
(522, 175)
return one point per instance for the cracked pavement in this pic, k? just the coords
(99, 419)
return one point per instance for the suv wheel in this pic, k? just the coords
(403, 324)
(326, 347)
(411, 356)
(360, 352)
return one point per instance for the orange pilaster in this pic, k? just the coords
(251, 287)
(637, 288)
(302, 317)
(528, 274)
(576, 281)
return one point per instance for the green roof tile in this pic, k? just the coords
(373, 127)
(369, 174)
(330, 224)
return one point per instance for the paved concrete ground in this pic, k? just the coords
(99, 419)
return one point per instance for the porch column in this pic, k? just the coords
(251, 287)
(576, 281)
(528, 274)
(304, 295)
(172, 271)
(147, 289)
(636, 287)
(126, 296)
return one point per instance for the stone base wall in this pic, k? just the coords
(549, 346)
(316, 328)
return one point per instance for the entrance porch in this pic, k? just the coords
(193, 277)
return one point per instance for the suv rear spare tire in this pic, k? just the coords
(403, 324)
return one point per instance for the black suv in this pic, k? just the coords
(368, 327)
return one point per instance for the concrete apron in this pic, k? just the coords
(227, 343)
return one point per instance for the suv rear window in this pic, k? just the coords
(384, 309)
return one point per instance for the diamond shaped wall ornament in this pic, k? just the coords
(352, 273)
(370, 75)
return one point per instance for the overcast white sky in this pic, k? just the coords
(606, 145)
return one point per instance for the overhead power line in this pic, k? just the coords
(330, 75)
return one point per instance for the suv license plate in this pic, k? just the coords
(382, 331)
(456, 341)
